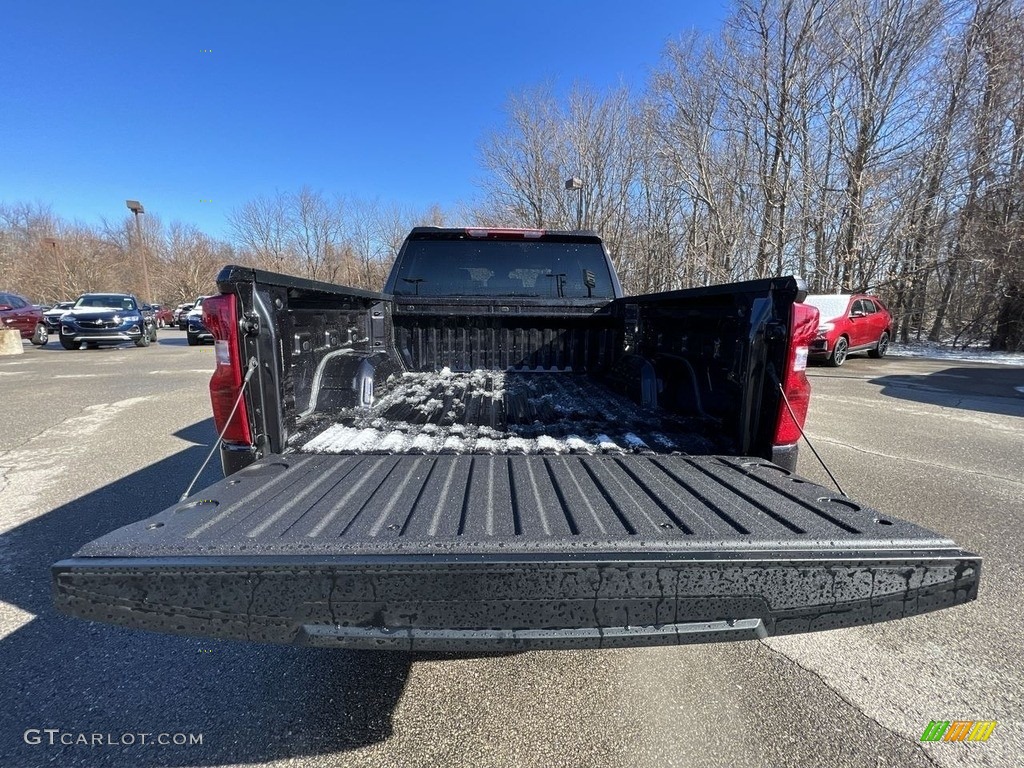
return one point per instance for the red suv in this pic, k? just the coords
(849, 324)
(164, 316)
(18, 314)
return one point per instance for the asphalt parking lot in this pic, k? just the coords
(92, 440)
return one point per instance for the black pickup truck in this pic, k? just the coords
(501, 451)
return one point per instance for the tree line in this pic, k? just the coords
(865, 145)
(304, 233)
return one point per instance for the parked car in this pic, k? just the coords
(179, 315)
(849, 323)
(51, 317)
(197, 306)
(162, 315)
(18, 314)
(153, 314)
(196, 310)
(100, 319)
(194, 326)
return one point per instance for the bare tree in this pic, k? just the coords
(316, 233)
(190, 262)
(263, 228)
(521, 160)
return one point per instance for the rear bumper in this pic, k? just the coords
(786, 456)
(486, 602)
(235, 457)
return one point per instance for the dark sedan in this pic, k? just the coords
(52, 316)
(197, 331)
(101, 319)
(180, 314)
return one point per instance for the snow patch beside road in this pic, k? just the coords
(970, 355)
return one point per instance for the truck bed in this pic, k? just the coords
(467, 551)
(497, 412)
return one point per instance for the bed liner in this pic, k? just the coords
(506, 412)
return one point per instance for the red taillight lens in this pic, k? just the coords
(220, 316)
(803, 327)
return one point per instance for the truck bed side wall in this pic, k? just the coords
(711, 349)
(319, 346)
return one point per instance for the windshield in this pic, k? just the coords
(829, 306)
(105, 301)
(537, 268)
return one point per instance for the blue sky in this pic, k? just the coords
(100, 102)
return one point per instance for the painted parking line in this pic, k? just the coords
(32, 470)
(12, 618)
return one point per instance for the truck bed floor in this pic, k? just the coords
(494, 412)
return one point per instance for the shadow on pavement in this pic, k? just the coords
(179, 341)
(990, 390)
(54, 346)
(249, 702)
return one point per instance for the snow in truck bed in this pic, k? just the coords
(494, 412)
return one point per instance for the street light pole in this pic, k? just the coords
(575, 184)
(136, 207)
(52, 242)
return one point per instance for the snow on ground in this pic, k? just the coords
(971, 354)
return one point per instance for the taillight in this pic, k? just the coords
(220, 316)
(803, 326)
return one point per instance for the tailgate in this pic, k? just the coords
(502, 552)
